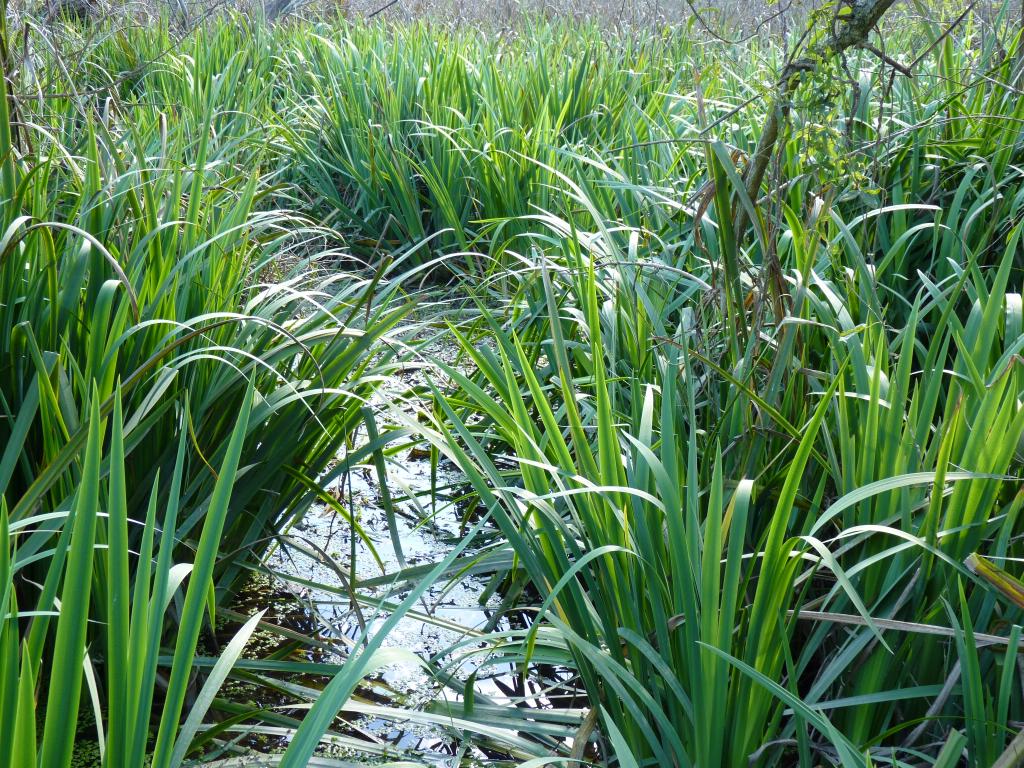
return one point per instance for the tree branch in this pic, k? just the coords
(901, 68)
(852, 29)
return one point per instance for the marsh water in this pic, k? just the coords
(448, 612)
(420, 505)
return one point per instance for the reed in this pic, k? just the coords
(731, 466)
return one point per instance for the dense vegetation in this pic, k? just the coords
(750, 463)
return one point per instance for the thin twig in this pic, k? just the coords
(901, 68)
(382, 9)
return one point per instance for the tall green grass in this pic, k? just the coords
(166, 408)
(735, 474)
(727, 509)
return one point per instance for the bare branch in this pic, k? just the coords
(883, 56)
